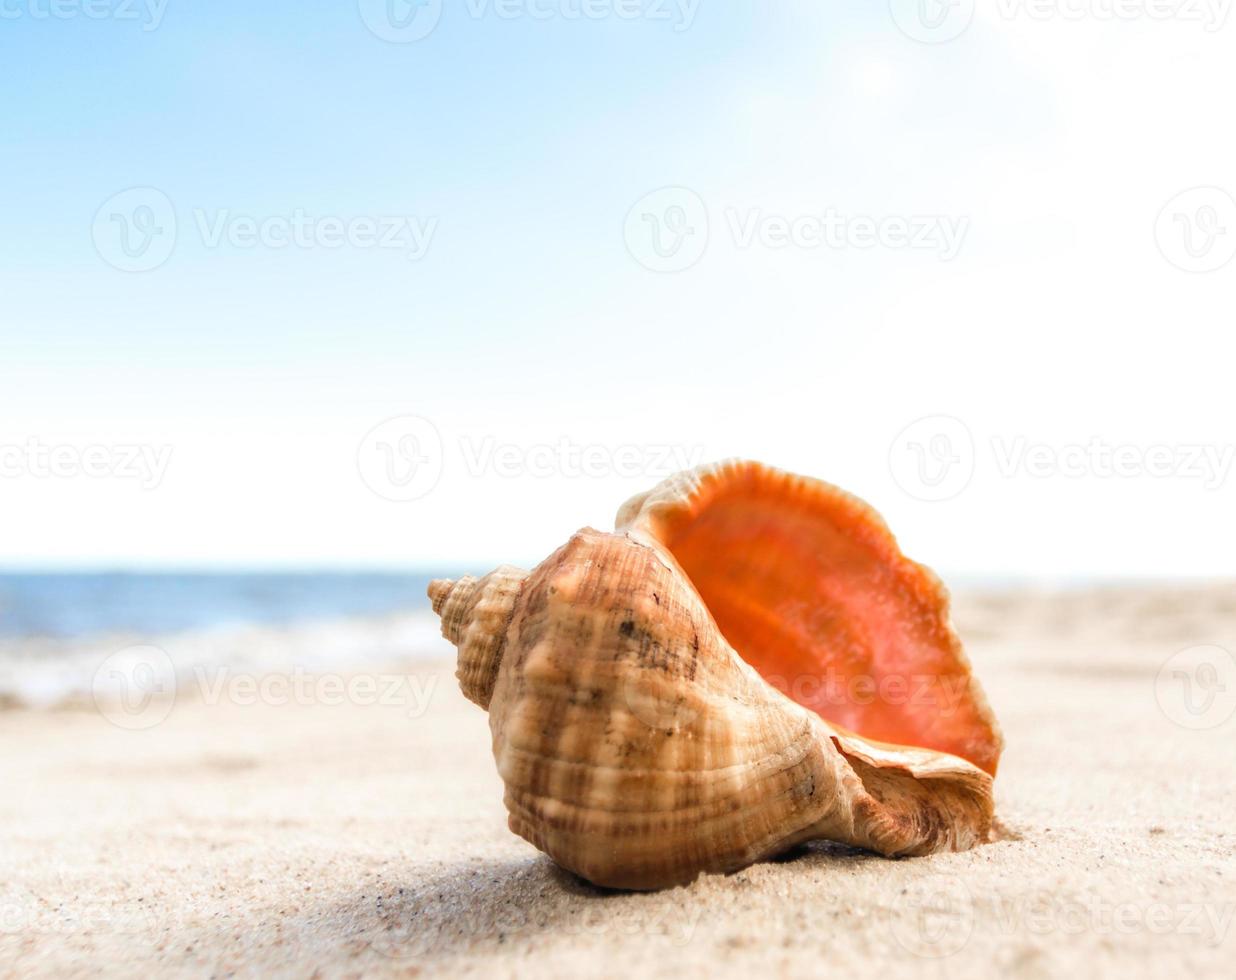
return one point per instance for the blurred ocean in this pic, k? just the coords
(57, 629)
(79, 604)
(63, 636)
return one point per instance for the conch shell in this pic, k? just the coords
(748, 662)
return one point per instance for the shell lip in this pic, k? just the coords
(658, 517)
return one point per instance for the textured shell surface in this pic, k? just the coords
(675, 697)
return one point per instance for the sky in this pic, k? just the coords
(370, 285)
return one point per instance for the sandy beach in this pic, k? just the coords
(303, 832)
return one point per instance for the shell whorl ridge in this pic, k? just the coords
(639, 748)
(475, 614)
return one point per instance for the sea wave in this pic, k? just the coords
(46, 672)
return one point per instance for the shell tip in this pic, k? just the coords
(439, 590)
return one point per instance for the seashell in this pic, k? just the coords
(746, 663)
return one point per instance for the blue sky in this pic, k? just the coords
(524, 144)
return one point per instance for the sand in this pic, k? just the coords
(341, 839)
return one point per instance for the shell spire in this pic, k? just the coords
(475, 615)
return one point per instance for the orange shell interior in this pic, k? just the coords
(808, 585)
